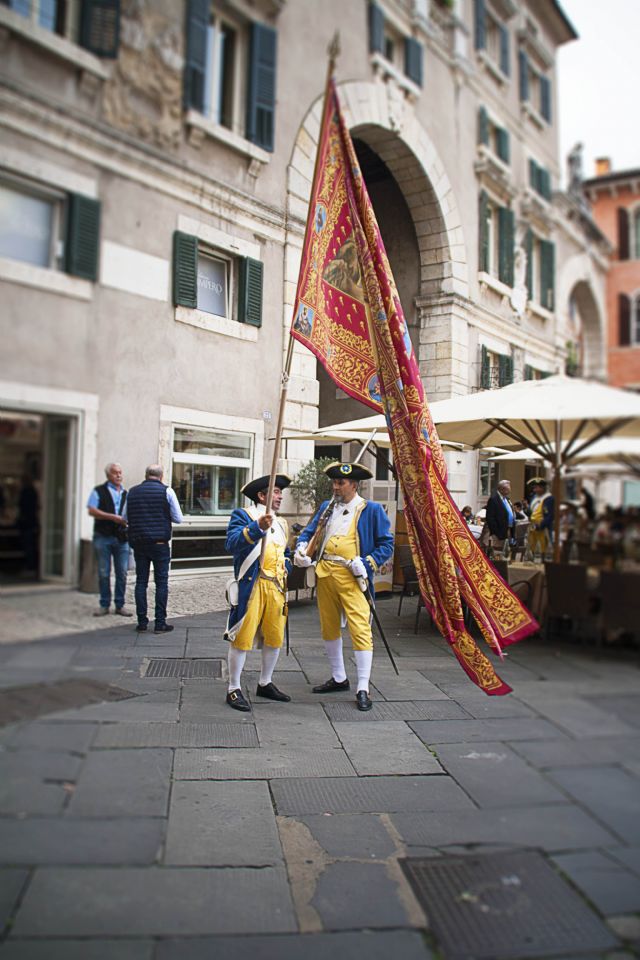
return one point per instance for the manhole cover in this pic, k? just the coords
(37, 699)
(503, 905)
(189, 669)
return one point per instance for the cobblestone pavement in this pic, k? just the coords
(165, 825)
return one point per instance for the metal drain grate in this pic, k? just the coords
(188, 669)
(503, 905)
(38, 699)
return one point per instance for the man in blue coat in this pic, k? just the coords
(258, 594)
(355, 541)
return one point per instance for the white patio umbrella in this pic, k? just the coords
(624, 451)
(559, 418)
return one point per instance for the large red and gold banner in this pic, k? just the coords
(348, 313)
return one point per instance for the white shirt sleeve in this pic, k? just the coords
(174, 506)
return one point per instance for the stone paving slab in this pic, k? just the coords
(470, 731)
(65, 841)
(561, 828)
(77, 950)
(609, 793)
(41, 735)
(579, 753)
(156, 901)
(298, 726)
(397, 710)
(361, 836)
(262, 764)
(495, 776)
(368, 945)
(358, 895)
(608, 885)
(205, 702)
(40, 656)
(11, 884)
(494, 708)
(159, 705)
(32, 781)
(582, 719)
(627, 708)
(222, 824)
(123, 783)
(386, 747)
(628, 856)
(295, 685)
(368, 795)
(410, 685)
(177, 735)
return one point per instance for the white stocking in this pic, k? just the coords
(236, 661)
(269, 659)
(334, 656)
(364, 659)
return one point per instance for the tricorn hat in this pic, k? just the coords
(347, 471)
(253, 488)
(537, 482)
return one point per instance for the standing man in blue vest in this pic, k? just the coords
(151, 508)
(105, 504)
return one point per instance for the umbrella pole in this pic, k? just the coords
(556, 494)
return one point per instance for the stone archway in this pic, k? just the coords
(390, 129)
(584, 316)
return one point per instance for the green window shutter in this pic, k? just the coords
(100, 27)
(624, 320)
(533, 174)
(545, 98)
(505, 65)
(413, 60)
(545, 183)
(261, 101)
(250, 292)
(528, 246)
(376, 29)
(195, 67)
(82, 236)
(547, 274)
(523, 75)
(528, 372)
(480, 24)
(623, 233)
(185, 270)
(545, 373)
(484, 370)
(484, 212)
(483, 126)
(505, 370)
(506, 225)
(503, 144)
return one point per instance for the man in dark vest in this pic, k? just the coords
(151, 508)
(105, 504)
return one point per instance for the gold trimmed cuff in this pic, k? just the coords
(245, 534)
(372, 563)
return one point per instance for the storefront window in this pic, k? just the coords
(209, 470)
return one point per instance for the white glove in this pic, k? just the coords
(357, 567)
(301, 559)
(301, 548)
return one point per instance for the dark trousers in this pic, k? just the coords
(146, 553)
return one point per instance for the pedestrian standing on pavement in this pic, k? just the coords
(105, 504)
(258, 595)
(355, 542)
(500, 516)
(150, 509)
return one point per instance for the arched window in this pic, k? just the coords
(629, 319)
(635, 234)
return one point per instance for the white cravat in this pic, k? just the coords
(276, 533)
(340, 520)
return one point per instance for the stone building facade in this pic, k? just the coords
(156, 159)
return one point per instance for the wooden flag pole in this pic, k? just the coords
(333, 51)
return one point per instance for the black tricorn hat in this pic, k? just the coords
(347, 471)
(537, 482)
(253, 488)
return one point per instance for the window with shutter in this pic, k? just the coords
(413, 60)
(523, 75)
(250, 292)
(624, 320)
(547, 274)
(502, 144)
(480, 24)
(504, 50)
(100, 27)
(262, 86)
(185, 270)
(528, 372)
(506, 223)
(505, 367)
(484, 214)
(623, 233)
(528, 246)
(83, 236)
(484, 369)
(545, 98)
(483, 126)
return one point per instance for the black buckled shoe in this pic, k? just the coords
(235, 699)
(271, 692)
(363, 701)
(332, 686)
